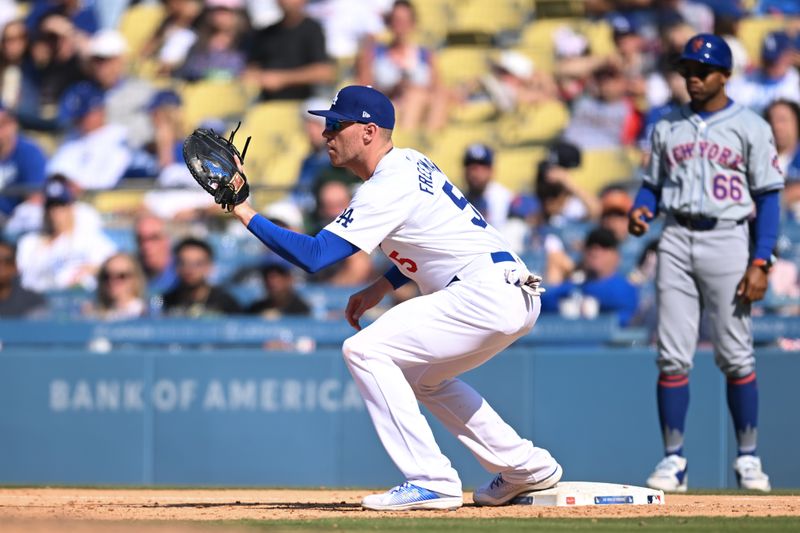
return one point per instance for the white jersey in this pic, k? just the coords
(421, 221)
(68, 261)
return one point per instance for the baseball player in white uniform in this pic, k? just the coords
(477, 298)
(713, 161)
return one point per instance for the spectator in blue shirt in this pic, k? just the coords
(81, 14)
(22, 164)
(597, 285)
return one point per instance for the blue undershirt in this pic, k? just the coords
(311, 253)
(766, 224)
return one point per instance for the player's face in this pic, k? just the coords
(703, 82)
(601, 262)
(478, 176)
(194, 266)
(59, 216)
(343, 139)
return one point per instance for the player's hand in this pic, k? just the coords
(364, 300)
(243, 211)
(753, 285)
(637, 221)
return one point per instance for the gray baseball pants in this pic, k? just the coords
(700, 270)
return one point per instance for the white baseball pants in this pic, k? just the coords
(415, 350)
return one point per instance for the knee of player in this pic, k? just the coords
(422, 389)
(353, 348)
(737, 373)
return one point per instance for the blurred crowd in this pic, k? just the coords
(540, 111)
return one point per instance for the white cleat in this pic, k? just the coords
(407, 497)
(670, 474)
(749, 473)
(500, 492)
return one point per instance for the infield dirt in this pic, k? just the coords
(261, 504)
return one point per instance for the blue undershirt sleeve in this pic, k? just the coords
(765, 227)
(648, 196)
(395, 277)
(309, 253)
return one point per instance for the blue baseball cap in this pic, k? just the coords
(623, 25)
(710, 50)
(79, 100)
(774, 46)
(359, 103)
(57, 191)
(162, 98)
(478, 153)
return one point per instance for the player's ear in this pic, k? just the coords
(370, 132)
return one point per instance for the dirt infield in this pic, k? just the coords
(234, 504)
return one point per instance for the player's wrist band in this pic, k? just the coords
(763, 264)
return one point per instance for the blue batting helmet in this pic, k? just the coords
(708, 49)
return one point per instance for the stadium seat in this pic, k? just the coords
(600, 36)
(752, 31)
(212, 100)
(118, 201)
(460, 64)
(515, 167)
(600, 168)
(535, 125)
(473, 111)
(485, 18)
(268, 118)
(559, 8)
(432, 20)
(276, 128)
(282, 168)
(539, 33)
(448, 146)
(138, 24)
(537, 39)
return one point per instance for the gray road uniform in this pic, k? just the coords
(707, 171)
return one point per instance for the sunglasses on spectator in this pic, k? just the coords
(696, 71)
(121, 275)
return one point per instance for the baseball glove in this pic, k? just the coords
(210, 159)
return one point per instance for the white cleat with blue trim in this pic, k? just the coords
(670, 474)
(407, 497)
(501, 492)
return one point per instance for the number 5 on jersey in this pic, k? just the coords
(409, 264)
(462, 202)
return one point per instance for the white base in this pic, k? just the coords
(575, 493)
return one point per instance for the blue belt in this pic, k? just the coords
(502, 257)
(497, 257)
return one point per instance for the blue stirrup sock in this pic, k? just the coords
(673, 404)
(743, 405)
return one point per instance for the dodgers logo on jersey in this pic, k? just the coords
(346, 217)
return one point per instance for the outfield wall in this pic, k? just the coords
(250, 417)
